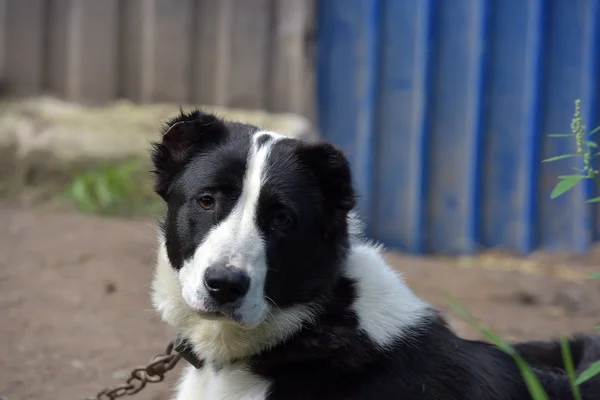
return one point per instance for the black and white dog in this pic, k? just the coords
(263, 273)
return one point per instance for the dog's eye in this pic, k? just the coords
(281, 220)
(206, 202)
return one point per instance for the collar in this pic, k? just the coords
(184, 348)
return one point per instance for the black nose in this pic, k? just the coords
(226, 284)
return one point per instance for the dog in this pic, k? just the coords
(264, 273)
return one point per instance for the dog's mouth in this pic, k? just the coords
(235, 313)
(212, 314)
(223, 315)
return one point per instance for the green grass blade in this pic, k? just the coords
(496, 340)
(591, 144)
(594, 200)
(589, 373)
(556, 158)
(531, 380)
(104, 193)
(459, 309)
(560, 135)
(80, 194)
(594, 131)
(595, 276)
(569, 368)
(565, 184)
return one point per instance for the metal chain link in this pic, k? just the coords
(140, 376)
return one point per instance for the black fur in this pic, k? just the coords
(332, 359)
(202, 154)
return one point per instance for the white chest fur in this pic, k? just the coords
(229, 383)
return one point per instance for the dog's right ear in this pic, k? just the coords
(183, 137)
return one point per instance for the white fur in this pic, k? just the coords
(386, 308)
(219, 340)
(232, 382)
(236, 239)
(179, 295)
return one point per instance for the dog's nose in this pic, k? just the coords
(226, 284)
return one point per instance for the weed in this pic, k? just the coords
(114, 190)
(585, 151)
(531, 380)
(585, 148)
(569, 367)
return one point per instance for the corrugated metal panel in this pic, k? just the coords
(234, 53)
(444, 108)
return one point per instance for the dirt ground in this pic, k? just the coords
(75, 313)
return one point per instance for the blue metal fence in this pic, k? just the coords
(444, 107)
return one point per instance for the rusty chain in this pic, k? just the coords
(140, 376)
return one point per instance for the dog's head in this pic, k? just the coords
(255, 221)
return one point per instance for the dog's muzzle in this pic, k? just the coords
(226, 284)
(225, 289)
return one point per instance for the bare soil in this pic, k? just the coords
(75, 314)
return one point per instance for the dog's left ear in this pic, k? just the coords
(184, 137)
(178, 140)
(332, 170)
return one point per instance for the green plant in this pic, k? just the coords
(569, 367)
(531, 380)
(585, 151)
(114, 190)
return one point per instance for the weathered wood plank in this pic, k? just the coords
(173, 50)
(25, 46)
(249, 53)
(136, 53)
(62, 69)
(212, 51)
(98, 29)
(82, 53)
(310, 54)
(3, 5)
(289, 80)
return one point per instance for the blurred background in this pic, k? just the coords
(444, 108)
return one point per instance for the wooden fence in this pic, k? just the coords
(236, 53)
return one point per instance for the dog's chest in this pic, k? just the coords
(228, 383)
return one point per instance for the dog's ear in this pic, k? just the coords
(182, 138)
(332, 170)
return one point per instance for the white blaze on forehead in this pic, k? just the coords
(237, 237)
(253, 181)
(241, 223)
(244, 214)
